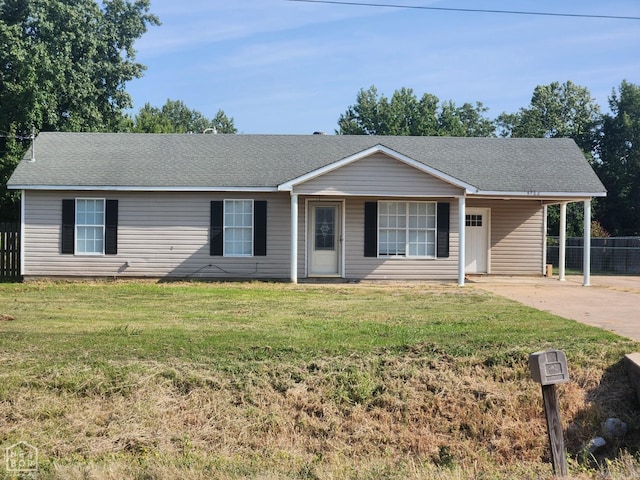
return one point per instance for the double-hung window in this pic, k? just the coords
(90, 226)
(407, 229)
(238, 228)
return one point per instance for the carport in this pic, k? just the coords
(586, 261)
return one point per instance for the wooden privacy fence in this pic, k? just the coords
(9, 251)
(615, 255)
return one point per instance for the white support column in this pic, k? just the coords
(22, 239)
(462, 240)
(586, 259)
(545, 223)
(563, 241)
(294, 238)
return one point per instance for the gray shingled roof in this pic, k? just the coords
(169, 161)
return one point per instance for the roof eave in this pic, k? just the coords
(137, 188)
(538, 195)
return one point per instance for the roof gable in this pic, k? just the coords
(289, 185)
(377, 175)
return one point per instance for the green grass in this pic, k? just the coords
(61, 322)
(295, 368)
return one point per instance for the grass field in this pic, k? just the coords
(143, 380)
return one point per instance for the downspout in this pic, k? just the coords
(294, 238)
(586, 259)
(563, 241)
(462, 239)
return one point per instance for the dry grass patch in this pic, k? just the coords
(338, 382)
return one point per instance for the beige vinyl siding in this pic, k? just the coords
(380, 175)
(302, 237)
(159, 235)
(167, 235)
(357, 266)
(516, 235)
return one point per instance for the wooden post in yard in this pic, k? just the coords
(550, 368)
(554, 427)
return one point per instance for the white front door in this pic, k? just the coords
(476, 251)
(325, 238)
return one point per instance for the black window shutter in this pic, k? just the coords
(217, 228)
(370, 229)
(442, 248)
(260, 228)
(111, 227)
(68, 226)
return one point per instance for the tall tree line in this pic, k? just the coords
(175, 117)
(406, 114)
(64, 66)
(611, 141)
(617, 162)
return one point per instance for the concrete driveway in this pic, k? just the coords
(611, 303)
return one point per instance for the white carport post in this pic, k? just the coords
(462, 239)
(586, 244)
(563, 241)
(23, 205)
(294, 237)
(545, 223)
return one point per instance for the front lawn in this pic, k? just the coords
(259, 380)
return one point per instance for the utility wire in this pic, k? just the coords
(473, 10)
(17, 137)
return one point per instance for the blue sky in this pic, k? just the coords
(280, 67)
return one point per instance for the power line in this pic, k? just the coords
(473, 10)
(15, 136)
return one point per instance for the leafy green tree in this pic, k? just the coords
(223, 124)
(558, 110)
(618, 162)
(406, 114)
(465, 121)
(63, 66)
(176, 117)
(149, 120)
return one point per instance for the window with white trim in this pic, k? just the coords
(90, 218)
(238, 228)
(407, 229)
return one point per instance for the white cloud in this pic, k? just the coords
(198, 23)
(264, 60)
